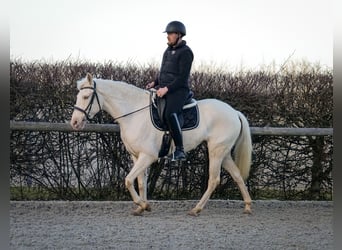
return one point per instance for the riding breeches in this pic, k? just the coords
(175, 102)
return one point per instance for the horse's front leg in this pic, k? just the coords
(142, 180)
(142, 184)
(140, 166)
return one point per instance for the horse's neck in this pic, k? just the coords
(121, 98)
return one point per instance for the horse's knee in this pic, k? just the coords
(216, 179)
(214, 182)
(128, 183)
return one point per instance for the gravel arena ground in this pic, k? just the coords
(221, 225)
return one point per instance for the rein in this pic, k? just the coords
(86, 111)
(135, 111)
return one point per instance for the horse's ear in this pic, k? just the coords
(89, 78)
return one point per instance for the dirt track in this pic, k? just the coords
(221, 225)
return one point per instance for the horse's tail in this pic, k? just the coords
(243, 148)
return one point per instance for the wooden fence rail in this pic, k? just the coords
(66, 127)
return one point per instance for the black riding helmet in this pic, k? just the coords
(175, 26)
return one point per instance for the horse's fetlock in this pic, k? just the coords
(138, 202)
(248, 203)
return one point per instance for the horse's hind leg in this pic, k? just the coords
(230, 166)
(215, 161)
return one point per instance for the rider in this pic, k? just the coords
(173, 83)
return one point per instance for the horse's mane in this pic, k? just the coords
(128, 88)
(109, 81)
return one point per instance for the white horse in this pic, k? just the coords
(221, 126)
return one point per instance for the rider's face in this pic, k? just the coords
(172, 38)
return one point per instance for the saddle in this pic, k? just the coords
(188, 119)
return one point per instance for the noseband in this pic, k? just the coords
(87, 110)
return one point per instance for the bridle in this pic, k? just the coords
(87, 110)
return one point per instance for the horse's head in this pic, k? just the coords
(87, 103)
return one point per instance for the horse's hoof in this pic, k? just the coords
(247, 211)
(148, 207)
(138, 211)
(194, 212)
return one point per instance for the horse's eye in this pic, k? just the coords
(85, 97)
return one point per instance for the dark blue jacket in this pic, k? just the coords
(175, 68)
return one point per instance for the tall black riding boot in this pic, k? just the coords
(177, 137)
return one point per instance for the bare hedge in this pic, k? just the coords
(92, 166)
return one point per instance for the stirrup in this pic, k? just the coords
(181, 156)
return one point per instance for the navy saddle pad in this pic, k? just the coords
(188, 120)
